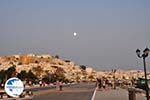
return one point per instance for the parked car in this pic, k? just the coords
(141, 83)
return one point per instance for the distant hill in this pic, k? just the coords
(42, 65)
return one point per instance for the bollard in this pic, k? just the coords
(1, 96)
(132, 95)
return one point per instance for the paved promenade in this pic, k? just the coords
(74, 92)
(118, 94)
(83, 91)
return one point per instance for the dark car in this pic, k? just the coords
(141, 83)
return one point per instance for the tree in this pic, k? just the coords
(49, 77)
(52, 78)
(83, 67)
(22, 75)
(38, 70)
(60, 73)
(46, 79)
(57, 56)
(2, 76)
(11, 71)
(31, 76)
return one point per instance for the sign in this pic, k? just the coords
(14, 87)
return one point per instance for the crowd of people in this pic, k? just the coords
(104, 83)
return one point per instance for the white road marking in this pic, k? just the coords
(93, 97)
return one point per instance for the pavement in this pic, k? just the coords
(74, 92)
(118, 94)
(85, 91)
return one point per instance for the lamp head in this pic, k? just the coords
(138, 52)
(146, 52)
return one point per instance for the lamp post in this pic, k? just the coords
(114, 77)
(144, 55)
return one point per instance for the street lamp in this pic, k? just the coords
(114, 77)
(144, 55)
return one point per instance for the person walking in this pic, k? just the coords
(60, 85)
(104, 84)
(99, 83)
(40, 83)
(57, 85)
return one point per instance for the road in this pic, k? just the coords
(83, 91)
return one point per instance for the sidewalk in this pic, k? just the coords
(118, 94)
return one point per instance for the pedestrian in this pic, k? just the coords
(104, 84)
(57, 84)
(60, 86)
(107, 83)
(99, 83)
(40, 83)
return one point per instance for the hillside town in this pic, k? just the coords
(47, 66)
(37, 71)
(42, 65)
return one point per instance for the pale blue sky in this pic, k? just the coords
(109, 31)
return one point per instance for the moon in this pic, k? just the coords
(74, 34)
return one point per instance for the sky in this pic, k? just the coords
(108, 31)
